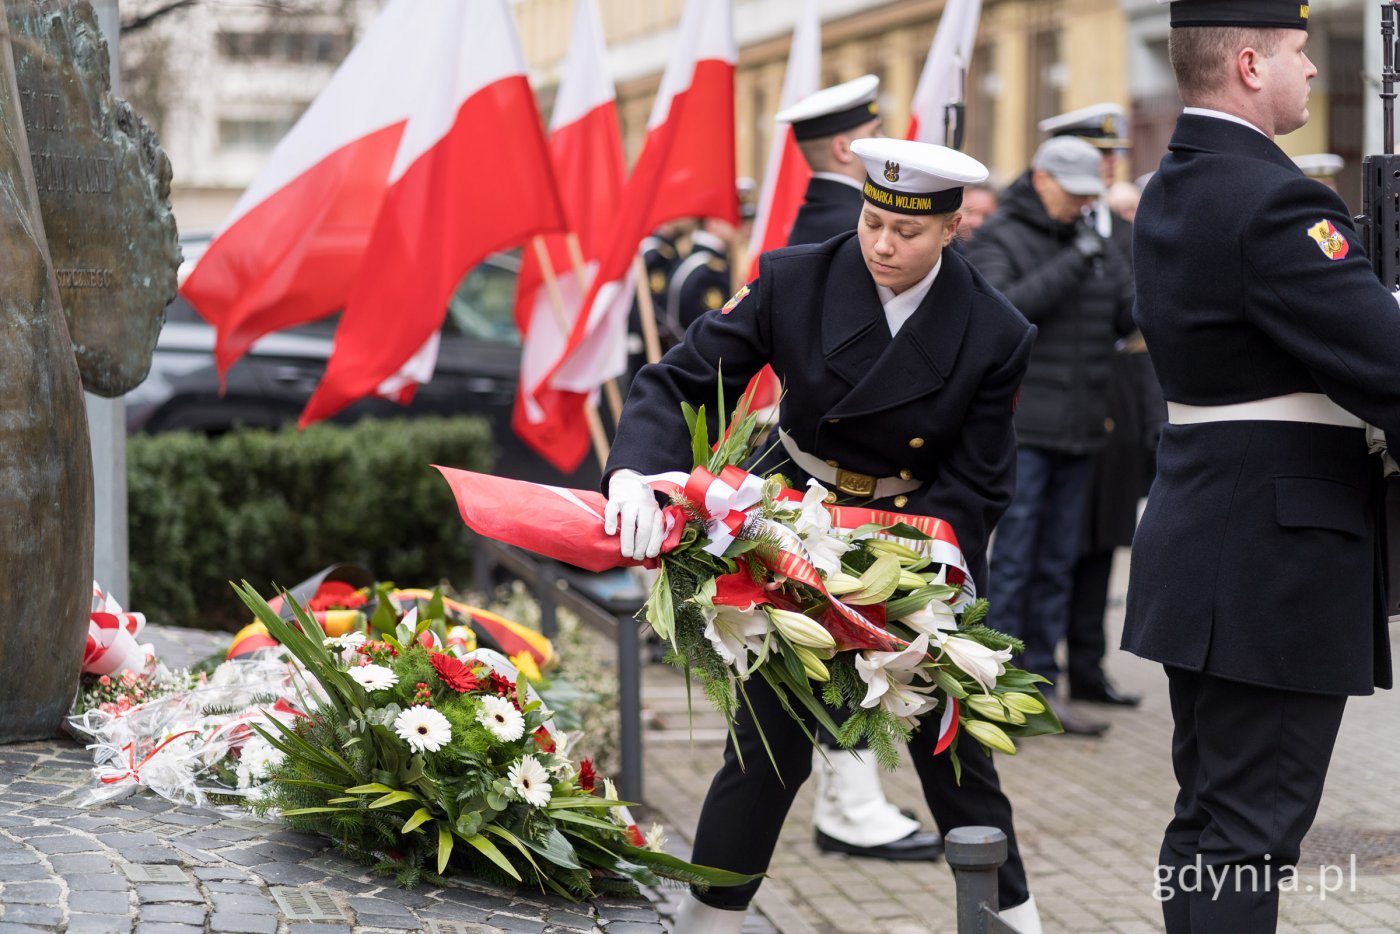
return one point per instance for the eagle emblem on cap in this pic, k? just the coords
(1333, 245)
(891, 171)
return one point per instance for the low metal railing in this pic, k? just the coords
(975, 854)
(610, 615)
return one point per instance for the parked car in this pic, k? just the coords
(477, 369)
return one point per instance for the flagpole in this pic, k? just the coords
(647, 310)
(556, 299)
(610, 390)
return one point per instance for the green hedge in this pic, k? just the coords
(274, 507)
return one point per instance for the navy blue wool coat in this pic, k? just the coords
(1258, 557)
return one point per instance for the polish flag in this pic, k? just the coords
(585, 147)
(941, 82)
(786, 174)
(422, 156)
(686, 169)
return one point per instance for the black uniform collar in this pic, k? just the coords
(884, 372)
(1196, 133)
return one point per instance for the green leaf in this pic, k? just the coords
(436, 608)
(552, 846)
(296, 811)
(420, 817)
(493, 853)
(373, 788)
(700, 439)
(393, 797)
(585, 820)
(444, 850)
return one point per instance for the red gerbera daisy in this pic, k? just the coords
(544, 740)
(587, 778)
(454, 673)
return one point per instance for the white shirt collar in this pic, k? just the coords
(838, 177)
(1222, 115)
(900, 308)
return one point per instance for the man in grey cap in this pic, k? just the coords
(1043, 252)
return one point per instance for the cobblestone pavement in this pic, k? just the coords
(1089, 813)
(144, 864)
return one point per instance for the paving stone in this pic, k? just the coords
(512, 923)
(164, 928)
(26, 872)
(243, 904)
(571, 919)
(98, 901)
(175, 914)
(636, 927)
(288, 874)
(80, 862)
(220, 873)
(32, 914)
(33, 893)
(160, 892)
(318, 927)
(99, 924)
(454, 912)
(96, 881)
(31, 831)
(221, 923)
(8, 928)
(393, 922)
(151, 854)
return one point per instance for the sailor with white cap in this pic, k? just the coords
(825, 124)
(901, 367)
(1105, 127)
(852, 815)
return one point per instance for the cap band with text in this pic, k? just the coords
(1257, 14)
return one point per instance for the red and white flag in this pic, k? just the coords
(686, 169)
(585, 147)
(786, 173)
(423, 155)
(941, 82)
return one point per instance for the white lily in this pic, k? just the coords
(733, 631)
(889, 677)
(983, 664)
(932, 619)
(813, 524)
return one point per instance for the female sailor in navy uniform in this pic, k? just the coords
(901, 367)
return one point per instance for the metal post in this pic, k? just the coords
(1388, 77)
(546, 594)
(629, 706)
(975, 854)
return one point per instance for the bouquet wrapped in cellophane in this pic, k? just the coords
(870, 612)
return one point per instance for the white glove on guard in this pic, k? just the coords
(633, 515)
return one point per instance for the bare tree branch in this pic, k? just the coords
(149, 17)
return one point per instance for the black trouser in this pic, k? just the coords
(1085, 643)
(1250, 762)
(745, 809)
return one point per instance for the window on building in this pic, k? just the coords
(256, 134)
(1047, 79)
(983, 89)
(295, 47)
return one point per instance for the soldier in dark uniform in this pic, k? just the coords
(700, 283)
(660, 255)
(1254, 577)
(852, 814)
(901, 365)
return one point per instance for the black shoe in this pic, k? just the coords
(1104, 693)
(921, 845)
(1074, 724)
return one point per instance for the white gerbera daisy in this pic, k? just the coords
(349, 641)
(502, 719)
(423, 728)
(257, 758)
(374, 677)
(530, 780)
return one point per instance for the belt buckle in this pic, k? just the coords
(855, 484)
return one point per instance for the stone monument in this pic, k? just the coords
(79, 307)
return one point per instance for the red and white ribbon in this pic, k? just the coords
(724, 500)
(111, 641)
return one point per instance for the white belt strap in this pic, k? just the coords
(846, 481)
(1311, 407)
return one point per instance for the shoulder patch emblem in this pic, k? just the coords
(657, 281)
(730, 305)
(1333, 245)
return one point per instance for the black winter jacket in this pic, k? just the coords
(1080, 307)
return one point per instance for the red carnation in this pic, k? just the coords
(634, 836)
(544, 740)
(502, 685)
(453, 673)
(587, 778)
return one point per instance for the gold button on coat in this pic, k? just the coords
(1108, 424)
(916, 443)
(901, 501)
(906, 474)
(830, 498)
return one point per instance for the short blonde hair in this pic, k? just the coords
(1202, 55)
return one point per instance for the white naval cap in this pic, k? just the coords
(1320, 164)
(829, 111)
(1102, 125)
(916, 178)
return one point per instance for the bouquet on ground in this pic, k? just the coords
(418, 759)
(872, 612)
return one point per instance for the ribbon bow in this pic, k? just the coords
(723, 500)
(111, 641)
(133, 771)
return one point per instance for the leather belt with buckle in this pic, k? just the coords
(855, 484)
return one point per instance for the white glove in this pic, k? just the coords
(632, 514)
